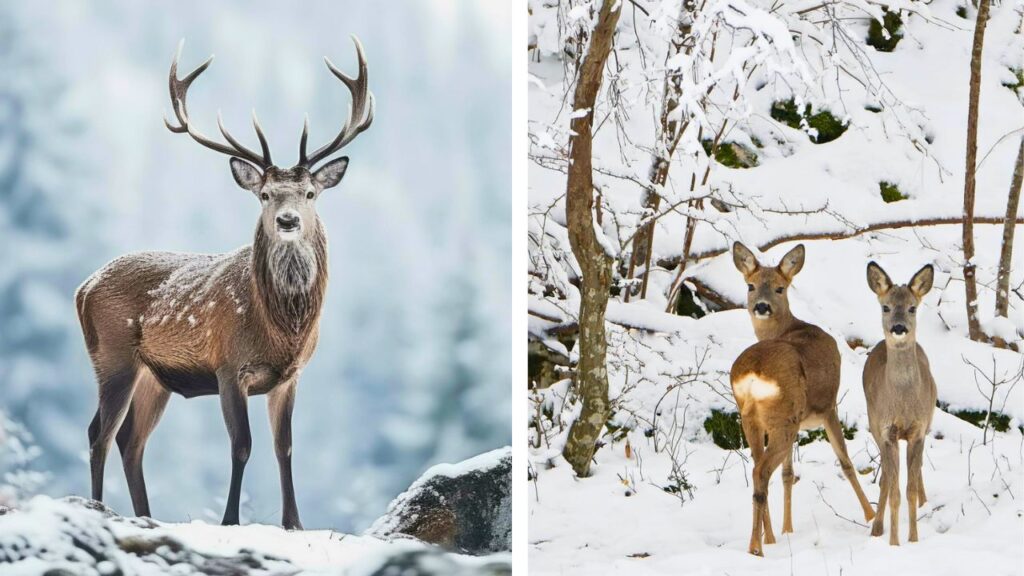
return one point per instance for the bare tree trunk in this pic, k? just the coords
(970, 281)
(1003, 277)
(669, 136)
(595, 264)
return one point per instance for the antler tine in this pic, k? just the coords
(302, 141)
(259, 134)
(179, 94)
(360, 114)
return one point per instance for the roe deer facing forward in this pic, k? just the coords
(901, 395)
(234, 324)
(785, 383)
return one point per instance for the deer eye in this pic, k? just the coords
(750, 287)
(309, 195)
(912, 309)
(779, 290)
(885, 308)
(264, 196)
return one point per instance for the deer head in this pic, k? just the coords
(287, 195)
(767, 286)
(899, 303)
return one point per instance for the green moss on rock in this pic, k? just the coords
(731, 154)
(1018, 83)
(808, 436)
(890, 192)
(824, 123)
(725, 429)
(885, 35)
(999, 422)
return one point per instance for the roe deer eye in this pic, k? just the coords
(885, 308)
(912, 309)
(264, 196)
(779, 290)
(750, 287)
(309, 195)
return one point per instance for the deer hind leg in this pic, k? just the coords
(921, 498)
(878, 527)
(234, 405)
(915, 452)
(116, 385)
(755, 439)
(144, 413)
(834, 431)
(787, 483)
(780, 444)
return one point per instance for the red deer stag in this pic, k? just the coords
(784, 383)
(234, 324)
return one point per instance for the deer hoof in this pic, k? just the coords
(876, 529)
(756, 551)
(769, 538)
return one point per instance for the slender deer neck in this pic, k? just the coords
(901, 365)
(290, 305)
(773, 326)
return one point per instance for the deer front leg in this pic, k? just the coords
(891, 468)
(915, 453)
(234, 405)
(280, 402)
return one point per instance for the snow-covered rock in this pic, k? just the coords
(464, 507)
(77, 536)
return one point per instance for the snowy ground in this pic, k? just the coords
(622, 518)
(666, 380)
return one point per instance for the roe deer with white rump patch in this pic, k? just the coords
(901, 395)
(786, 382)
(234, 324)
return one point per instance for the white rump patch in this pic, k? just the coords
(756, 387)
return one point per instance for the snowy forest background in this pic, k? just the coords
(412, 367)
(842, 125)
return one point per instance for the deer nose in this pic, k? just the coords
(899, 330)
(762, 309)
(287, 221)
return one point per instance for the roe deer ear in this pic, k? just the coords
(329, 175)
(247, 175)
(878, 280)
(744, 259)
(921, 283)
(792, 262)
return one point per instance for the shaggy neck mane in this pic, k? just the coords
(289, 279)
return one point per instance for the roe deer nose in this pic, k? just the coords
(762, 308)
(288, 221)
(899, 330)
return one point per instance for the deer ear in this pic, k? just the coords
(878, 280)
(744, 259)
(792, 262)
(921, 283)
(329, 175)
(247, 175)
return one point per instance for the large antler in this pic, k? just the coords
(360, 112)
(179, 92)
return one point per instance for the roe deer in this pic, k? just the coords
(784, 383)
(234, 324)
(900, 392)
